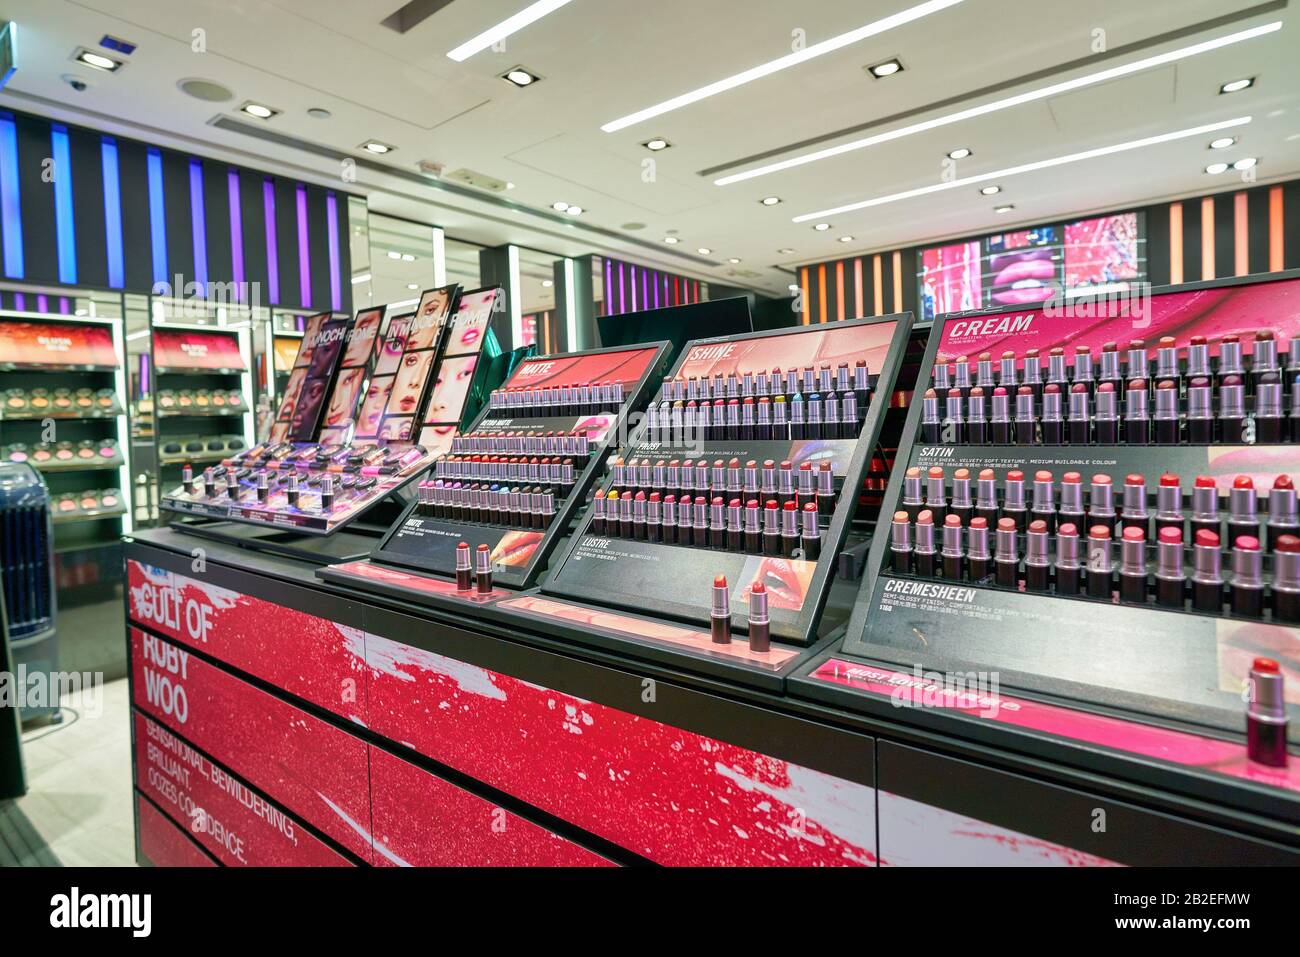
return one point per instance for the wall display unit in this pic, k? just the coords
(1097, 503)
(500, 499)
(310, 476)
(729, 504)
(61, 413)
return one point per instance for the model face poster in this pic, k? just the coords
(466, 333)
(358, 358)
(399, 387)
(284, 416)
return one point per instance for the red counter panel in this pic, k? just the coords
(671, 795)
(317, 660)
(164, 844)
(309, 766)
(423, 821)
(237, 827)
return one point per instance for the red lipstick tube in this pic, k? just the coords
(1198, 357)
(1083, 374)
(1286, 579)
(735, 531)
(1013, 500)
(952, 548)
(483, 570)
(1107, 415)
(1266, 720)
(1133, 566)
(1242, 502)
(825, 488)
(1170, 581)
(961, 505)
(1006, 561)
(1134, 513)
(1100, 562)
(1080, 416)
(1101, 502)
(986, 496)
(1247, 577)
(977, 430)
(1000, 417)
(1200, 413)
(1169, 503)
(1026, 424)
(464, 578)
(669, 524)
(1166, 417)
(685, 526)
(1037, 564)
(789, 529)
(1137, 420)
(1044, 507)
(753, 533)
(900, 543)
(1068, 569)
(1282, 510)
(771, 527)
(978, 560)
(1167, 358)
(760, 632)
(1232, 408)
(1268, 409)
(1207, 573)
(720, 612)
(654, 518)
(1033, 372)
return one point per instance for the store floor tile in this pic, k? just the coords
(79, 779)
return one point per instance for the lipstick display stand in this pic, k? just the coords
(511, 483)
(675, 531)
(1092, 565)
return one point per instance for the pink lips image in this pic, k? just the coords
(470, 336)
(1025, 280)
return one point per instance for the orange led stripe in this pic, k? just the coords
(878, 281)
(1175, 243)
(898, 281)
(839, 289)
(804, 295)
(1240, 235)
(821, 292)
(1207, 237)
(1275, 244)
(857, 288)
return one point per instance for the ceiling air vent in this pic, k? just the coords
(467, 177)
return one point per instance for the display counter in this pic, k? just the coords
(282, 719)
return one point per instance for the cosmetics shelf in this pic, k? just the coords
(508, 487)
(88, 515)
(1139, 562)
(739, 430)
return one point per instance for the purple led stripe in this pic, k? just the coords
(272, 254)
(65, 306)
(304, 256)
(336, 280)
(236, 233)
(621, 301)
(645, 288)
(42, 303)
(607, 292)
(20, 302)
(632, 282)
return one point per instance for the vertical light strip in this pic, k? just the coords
(570, 308)
(199, 225)
(42, 302)
(622, 302)
(1240, 234)
(304, 253)
(898, 281)
(65, 224)
(821, 293)
(1175, 243)
(157, 218)
(839, 289)
(607, 291)
(439, 257)
(878, 285)
(645, 288)
(1207, 237)
(804, 295)
(636, 302)
(272, 240)
(125, 487)
(10, 205)
(332, 228)
(1276, 243)
(20, 302)
(112, 213)
(858, 312)
(515, 295)
(236, 234)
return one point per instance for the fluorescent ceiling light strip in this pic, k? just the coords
(1025, 168)
(529, 14)
(781, 63)
(1006, 103)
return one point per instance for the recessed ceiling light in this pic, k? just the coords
(360, 278)
(846, 239)
(704, 250)
(671, 240)
(770, 200)
(1003, 209)
(960, 153)
(97, 60)
(258, 110)
(734, 261)
(559, 206)
(407, 258)
(512, 24)
(888, 68)
(548, 283)
(319, 113)
(822, 227)
(1023, 168)
(1246, 162)
(784, 252)
(1235, 86)
(520, 77)
(1018, 99)
(394, 254)
(656, 144)
(1214, 169)
(374, 146)
(990, 190)
(1223, 142)
(781, 63)
(412, 285)
(574, 210)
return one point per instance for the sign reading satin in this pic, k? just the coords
(1213, 313)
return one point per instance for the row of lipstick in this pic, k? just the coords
(717, 523)
(783, 483)
(315, 492)
(1013, 370)
(496, 468)
(930, 491)
(366, 459)
(480, 503)
(739, 385)
(977, 418)
(572, 444)
(813, 416)
(521, 402)
(1075, 568)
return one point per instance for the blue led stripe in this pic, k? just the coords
(199, 225)
(112, 212)
(10, 207)
(65, 226)
(157, 220)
